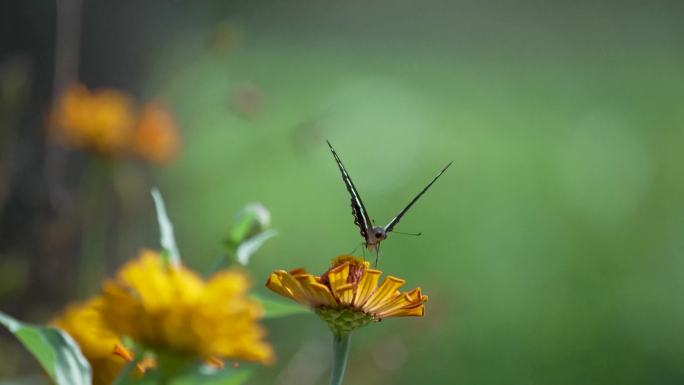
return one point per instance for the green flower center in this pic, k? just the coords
(343, 320)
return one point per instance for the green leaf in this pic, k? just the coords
(247, 248)
(251, 220)
(274, 308)
(56, 351)
(167, 239)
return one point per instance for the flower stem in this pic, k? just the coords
(91, 265)
(340, 354)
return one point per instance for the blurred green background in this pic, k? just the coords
(551, 249)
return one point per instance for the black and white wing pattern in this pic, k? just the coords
(396, 219)
(361, 218)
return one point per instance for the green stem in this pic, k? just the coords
(340, 355)
(93, 233)
(221, 262)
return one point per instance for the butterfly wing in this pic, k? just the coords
(396, 219)
(361, 218)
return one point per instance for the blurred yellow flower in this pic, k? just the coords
(171, 310)
(348, 296)
(101, 121)
(156, 137)
(85, 324)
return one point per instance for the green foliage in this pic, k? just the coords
(204, 375)
(249, 232)
(251, 245)
(195, 375)
(341, 345)
(278, 308)
(56, 351)
(250, 221)
(166, 238)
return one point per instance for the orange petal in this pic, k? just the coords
(298, 293)
(323, 293)
(146, 364)
(305, 281)
(366, 286)
(386, 291)
(298, 271)
(338, 278)
(413, 311)
(275, 283)
(401, 302)
(122, 352)
(215, 362)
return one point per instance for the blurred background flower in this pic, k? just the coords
(107, 123)
(155, 137)
(100, 121)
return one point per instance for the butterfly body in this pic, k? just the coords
(374, 237)
(372, 234)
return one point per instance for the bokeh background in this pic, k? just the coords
(551, 249)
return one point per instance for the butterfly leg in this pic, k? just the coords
(377, 254)
(355, 248)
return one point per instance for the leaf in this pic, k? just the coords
(56, 351)
(274, 308)
(250, 221)
(166, 237)
(247, 248)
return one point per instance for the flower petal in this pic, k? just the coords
(318, 295)
(346, 293)
(414, 311)
(338, 278)
(275, 283)
(406, 304)
(366, 286)
(324, 294)
(385, 292)
(298, 292)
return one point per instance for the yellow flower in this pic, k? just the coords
(173, 310)
(156, 137)
(100, 121)
(348, 296)
(84, 322)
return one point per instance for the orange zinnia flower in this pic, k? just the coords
(348, 296)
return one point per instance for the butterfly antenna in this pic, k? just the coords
(413, 234)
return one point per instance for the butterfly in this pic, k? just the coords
(373, 235)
